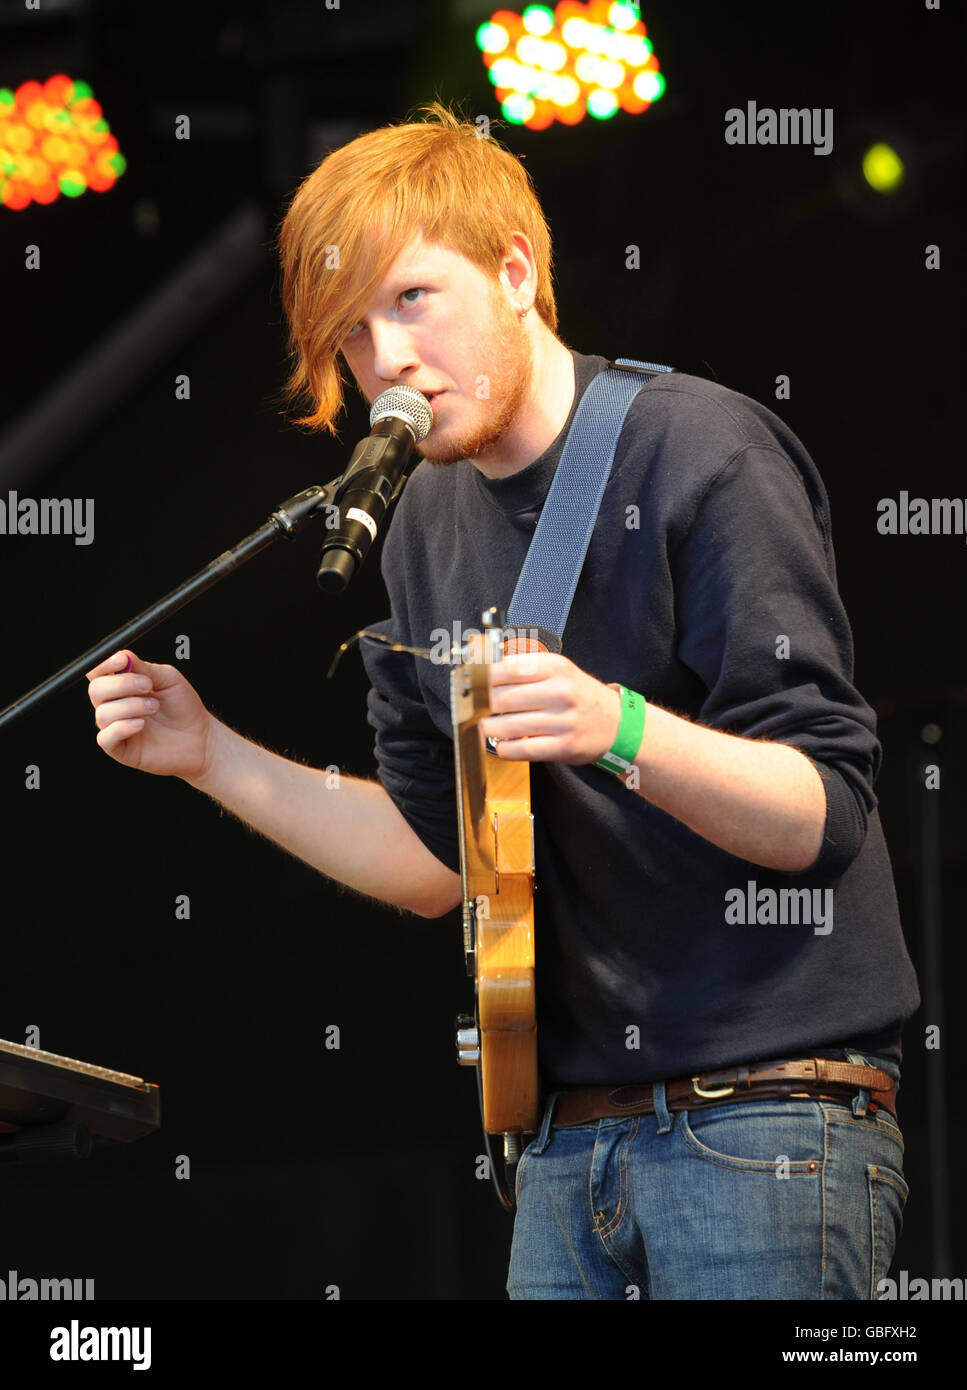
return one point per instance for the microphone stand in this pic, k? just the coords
(287, 520)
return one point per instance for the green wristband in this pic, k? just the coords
(631, 731)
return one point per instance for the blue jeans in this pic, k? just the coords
(772, 1199)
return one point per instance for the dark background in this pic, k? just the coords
(313, 1167)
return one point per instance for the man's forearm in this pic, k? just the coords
(764, 802)
(347, 828)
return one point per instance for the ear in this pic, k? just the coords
(518, 270)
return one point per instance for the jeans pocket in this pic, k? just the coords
(888, 1192)
(778, 1137)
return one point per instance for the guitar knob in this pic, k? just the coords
(468, 1042)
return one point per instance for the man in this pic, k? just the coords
(721, 971)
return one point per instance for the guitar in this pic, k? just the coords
(497, 872)
(57, 1106)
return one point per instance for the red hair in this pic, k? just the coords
(355, 213)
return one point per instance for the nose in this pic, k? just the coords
(393, 350)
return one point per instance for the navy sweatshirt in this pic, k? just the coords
(658, 954)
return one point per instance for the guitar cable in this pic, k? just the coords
(378, 637)
(504, 1175)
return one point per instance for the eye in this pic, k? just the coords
(412, 291)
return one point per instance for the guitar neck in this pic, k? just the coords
(42, 1088)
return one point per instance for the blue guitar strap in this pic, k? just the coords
(547, 582)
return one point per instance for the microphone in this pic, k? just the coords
(399, 419)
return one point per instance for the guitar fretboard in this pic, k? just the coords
(34, 1054)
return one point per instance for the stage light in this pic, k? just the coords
(492, 38)
(579, 59)
(623, 16)
(883, 168)
(649, 85)
(54, 140)
(518, 108)
(602, 104)
(538, 20)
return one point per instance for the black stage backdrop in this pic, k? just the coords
(320, 1172)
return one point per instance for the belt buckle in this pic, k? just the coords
(710, 1095)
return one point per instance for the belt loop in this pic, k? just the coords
(861, 1100)
(661, 1107)
(543, 1138)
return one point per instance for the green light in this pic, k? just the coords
(118, 163)
(538, 20)
(492, 38)
(649, 85)
(71, 188)
(602, 104)
(81, 90)
(7, 97)
(623, 16)
(517, 108)
(883, 168)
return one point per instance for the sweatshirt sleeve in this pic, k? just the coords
(762, 624)
(414, 754)
(414, 759)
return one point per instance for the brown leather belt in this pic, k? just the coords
(810, 1078)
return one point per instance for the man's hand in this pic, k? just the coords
(150, 718)
(546, 709)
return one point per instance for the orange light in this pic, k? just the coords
(49, 143)
(28, 92)
(510, 21)
(14, 195)
(58, 90)
(571, 115)
(544, 114)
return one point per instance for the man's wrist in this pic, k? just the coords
(620, 757)
(217, 737)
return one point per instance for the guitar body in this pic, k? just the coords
(497, 869)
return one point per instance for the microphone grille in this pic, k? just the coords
(407, 402)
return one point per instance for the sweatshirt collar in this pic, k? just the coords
(526, 490)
